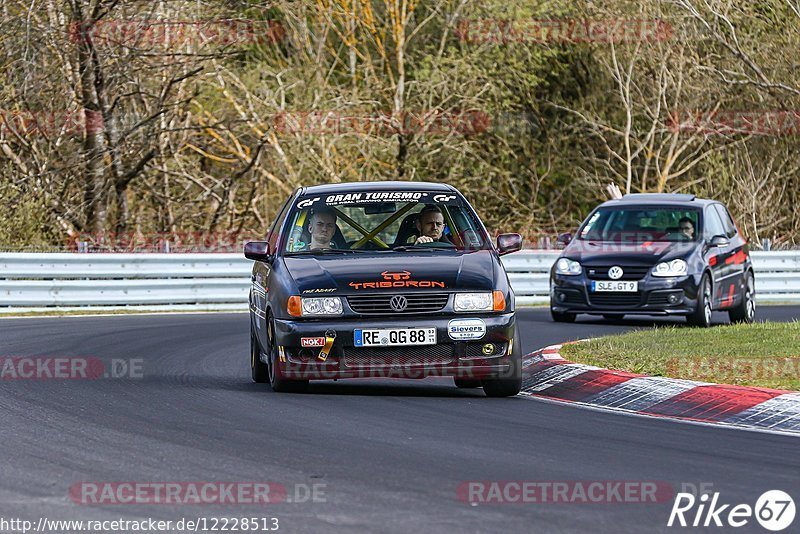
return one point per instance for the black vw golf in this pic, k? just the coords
(654, 254)
(382, 279)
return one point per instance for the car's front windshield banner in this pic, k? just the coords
(365, 197)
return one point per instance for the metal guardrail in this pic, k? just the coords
(41, 282)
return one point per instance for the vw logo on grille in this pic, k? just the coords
(615, 273)
(398, 303)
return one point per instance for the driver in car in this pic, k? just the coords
(686, 228)
(430, 225)
(322, 227)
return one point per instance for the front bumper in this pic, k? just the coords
(462, 359)
(656, 296)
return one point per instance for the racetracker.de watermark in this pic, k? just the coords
(654, 242)
(222, 241)
(564, 492)
(563, 31)
(42, 123)
(397, 367)
(143, 33)
(768, 123)
(69, 368)
(195, 492)
(732, 369)
(379, 123)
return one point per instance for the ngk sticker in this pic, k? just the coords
(312, 342)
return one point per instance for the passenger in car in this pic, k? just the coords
(322, 227)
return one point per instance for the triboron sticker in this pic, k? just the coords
(461, 329)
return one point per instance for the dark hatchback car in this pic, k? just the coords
(654, 254)
(382, 279)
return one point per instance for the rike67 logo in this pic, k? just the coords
(774, 510)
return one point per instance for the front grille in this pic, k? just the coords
(615, 299)
(398, 356)
(380, 304)
(475, 350)
(595, 272)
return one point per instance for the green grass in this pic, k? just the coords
(762, 354)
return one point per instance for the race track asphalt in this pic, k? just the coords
(388, 455)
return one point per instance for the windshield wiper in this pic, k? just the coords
(324, 251)
(405, 248)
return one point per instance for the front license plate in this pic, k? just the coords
(394, 337)
(622, 287)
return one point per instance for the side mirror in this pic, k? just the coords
(720, 241)
(507, 243)
(258, 251)
(564, 239)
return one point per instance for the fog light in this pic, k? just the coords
(673, 298)
(488, 349)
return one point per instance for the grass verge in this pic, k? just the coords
(761, 354)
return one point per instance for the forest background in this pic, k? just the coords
(123, 120)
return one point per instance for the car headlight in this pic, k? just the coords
(466, 302)
(568, 266)
(322, 306)
(671, 268)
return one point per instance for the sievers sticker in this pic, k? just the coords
(464, 329)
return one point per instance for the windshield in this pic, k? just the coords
(640, 225)
(383, 220)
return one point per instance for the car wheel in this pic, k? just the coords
(278, 383)
(466, 383)
(702, 314)
(562, 317)
(510, 382)
(745, 312)
(613, 316)
(258, 369)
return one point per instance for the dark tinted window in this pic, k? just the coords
(727, 222)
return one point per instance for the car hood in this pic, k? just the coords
(611, 253)
(402, 271)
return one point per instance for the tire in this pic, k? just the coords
(745, 312)
(258, 370)
(278, 383)
(613, 316)
(466, 383)
(562, 317)
(510, 382)
(702, 314)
